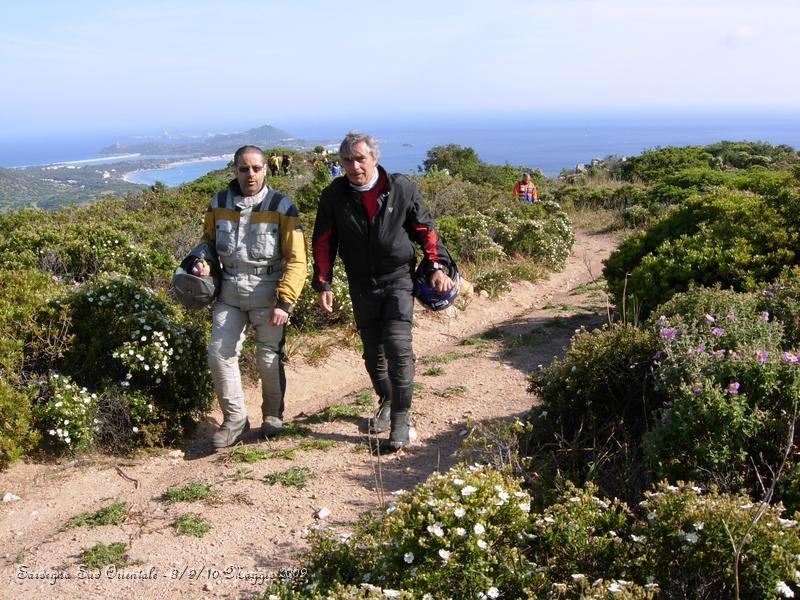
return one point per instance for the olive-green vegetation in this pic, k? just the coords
(191, 524)
(113, 514)
(94, 352)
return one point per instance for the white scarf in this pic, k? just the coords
(369, 185)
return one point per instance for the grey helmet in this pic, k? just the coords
(193, 291)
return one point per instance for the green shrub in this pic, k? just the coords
(596, 403)
(735, 239)
(191, 524)
(16, 435)
(137, 358)
(113, 514)
(65, 413)
(453, 536)
(686, 537)
(731, 393)
(655, 164)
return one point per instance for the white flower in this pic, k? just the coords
(784, 590)
(482, 544)
(525, 506)
(444, 554)
(520, 494)
(493, 592)
(391, 593)
(408, 557)
(427, 597)
(651, 515)
(466, 491)
(699, 525)
(460, 531)
(638, 538)
(784, 522)
(52, 432)
(66, 421)
(459, 512)
(691, 538)
(614, 588)
(746, 506)
(578, 576)
(458, 481)
(503, 496)
(135, 430)
(478, 529)
(58, 404)
(436, 529)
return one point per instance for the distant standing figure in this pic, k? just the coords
(336, 169)
(274, 164)
(286, 164)
(525, 189)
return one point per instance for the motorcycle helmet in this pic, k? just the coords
(191, 290)
(428, 296)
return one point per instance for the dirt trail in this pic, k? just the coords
(257, 528)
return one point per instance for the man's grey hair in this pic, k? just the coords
(353, 138)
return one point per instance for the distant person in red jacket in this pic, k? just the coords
(525, 189)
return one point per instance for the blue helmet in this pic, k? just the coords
(428, 296)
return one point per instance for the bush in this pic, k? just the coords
(596, 403)
(16, 435)
(731, 394)
(733, 239)
(143, 358)
(653, 165)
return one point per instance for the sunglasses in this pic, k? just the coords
(256, 169)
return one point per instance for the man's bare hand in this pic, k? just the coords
(279, 317)
(201, 269)
(326, 301)
(441, 282)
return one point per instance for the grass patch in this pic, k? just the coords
(293, 429)
(476, 341)
(598, 285)
(332, 412)
(243, 454)
(239, 474)
(318, 352)
(452, 391)
(434, 372)
(113, 514)
(191, 524)
(445, 358)
(364, 397)
(526, 271)
(291, 477)
(362, 448)
(529, 338)
(100, 555)
(315, 444)
(192, 491)
(597, 220)
(564, 307)
(419, 386)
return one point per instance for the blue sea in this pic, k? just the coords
(550, 142)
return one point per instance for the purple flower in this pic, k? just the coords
(765, 315)
(668, 333)
(701, 347)
(718, 353)
(657, 355)
(761, 356)
(769, 293)
(696, 387)
(731, 317)
(662, 320)
(710, 319)
(790, 357)
(733, 387)
(718, 331)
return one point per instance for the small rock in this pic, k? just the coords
(9, 497)
(206, 588)
(463, 432)
(176, 454)
(322, 513)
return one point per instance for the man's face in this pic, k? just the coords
(250, 173)
(526, 178)
(360, 165)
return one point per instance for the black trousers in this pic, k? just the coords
(383, 315)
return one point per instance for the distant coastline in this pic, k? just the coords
(138, 176)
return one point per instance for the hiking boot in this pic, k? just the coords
(381, 420)
(271, 426)
(229, 434)
(398, 437)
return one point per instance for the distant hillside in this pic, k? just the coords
(50, 188)
(264, 136)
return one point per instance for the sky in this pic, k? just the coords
(121, 65)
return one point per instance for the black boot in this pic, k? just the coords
(398, 437)
(380, 421)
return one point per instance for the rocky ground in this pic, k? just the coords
(258, 528)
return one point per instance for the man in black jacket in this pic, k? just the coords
(372, 219)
